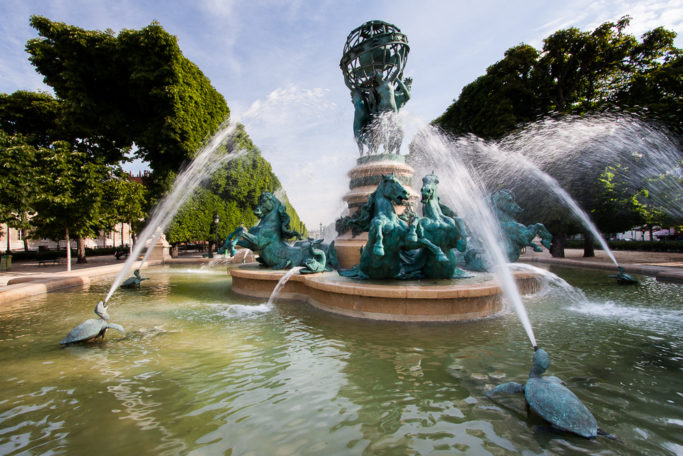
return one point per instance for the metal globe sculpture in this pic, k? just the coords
(372, 63)
(375, 47)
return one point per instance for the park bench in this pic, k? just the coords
(45, 260)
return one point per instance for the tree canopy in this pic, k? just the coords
(136, 87)
(578, 73)
(231, 192)
(575, 72)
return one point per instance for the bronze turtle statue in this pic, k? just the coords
(623, 278)
(133, 282)
(92, 328)
(550, 399)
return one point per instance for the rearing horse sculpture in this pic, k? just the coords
(441, 226)
(516, 235)
(268, 239)
(388, 235)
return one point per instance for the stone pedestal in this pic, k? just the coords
(160, 250)
(364, 179)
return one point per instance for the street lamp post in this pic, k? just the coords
(216, 221)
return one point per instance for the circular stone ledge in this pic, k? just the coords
(405, 301)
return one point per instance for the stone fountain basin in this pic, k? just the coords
(405, 301)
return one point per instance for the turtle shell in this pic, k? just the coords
(87, 330)
(559, 406)
(131, 282)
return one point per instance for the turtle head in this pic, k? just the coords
(137, 273)
(101, 311)
(540, 363)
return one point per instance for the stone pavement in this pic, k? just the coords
(666, 266)
(28, 278)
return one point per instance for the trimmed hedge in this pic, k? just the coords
(645, 246)
(52, 254)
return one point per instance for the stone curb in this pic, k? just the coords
(661, 273)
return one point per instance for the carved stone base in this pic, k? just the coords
(408, 301)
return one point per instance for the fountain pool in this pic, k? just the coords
(203, 370)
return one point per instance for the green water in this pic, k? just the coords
(203, 371)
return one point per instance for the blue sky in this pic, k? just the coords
(277, 62)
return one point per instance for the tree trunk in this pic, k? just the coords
(174, 250)
(68, 248)
(588, 247)
(25, 239)
(9, 243)
(652, 237)
(80, 250)
(557, 245)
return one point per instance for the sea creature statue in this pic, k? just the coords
(372, 63)
(623, 278)
(388, 235)
(549, 398)
(269, 239)
(442, 227)
(516, 235)
(134, 282)
(92, 328)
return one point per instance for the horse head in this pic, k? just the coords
(267, 203)
(429, 184)
(391, 189)
(504, 203)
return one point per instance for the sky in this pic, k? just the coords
(277, 62)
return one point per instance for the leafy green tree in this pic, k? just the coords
(124, 202)
(17, 175)
(577, 72)
(34, 115)
(494, 104)
(232, 192)
(136, 87)
(71, 188)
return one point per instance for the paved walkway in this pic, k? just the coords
(27, 278)
(667, 266)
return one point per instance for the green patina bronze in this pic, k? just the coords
(391, 239)
(269, 239)
(549, 398)
(440, 225)
(372, 63)
(516, 235)
(135, 281)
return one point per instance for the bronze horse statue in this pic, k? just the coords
(440, 225)
(388, 235)
(516, 235)
(269, 239)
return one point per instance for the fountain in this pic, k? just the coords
(211, 369)
(396, 243)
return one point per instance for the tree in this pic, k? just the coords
(17, 174)
(577, 73)
(136, 87)
(70, 193)
(124, 202)
(232, 192)
(494, 104)
(33, 115)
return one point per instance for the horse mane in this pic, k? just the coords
(367, 211)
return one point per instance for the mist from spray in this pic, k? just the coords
(211, 157)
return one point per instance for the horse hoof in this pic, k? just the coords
(443, 258)
(378, 251)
